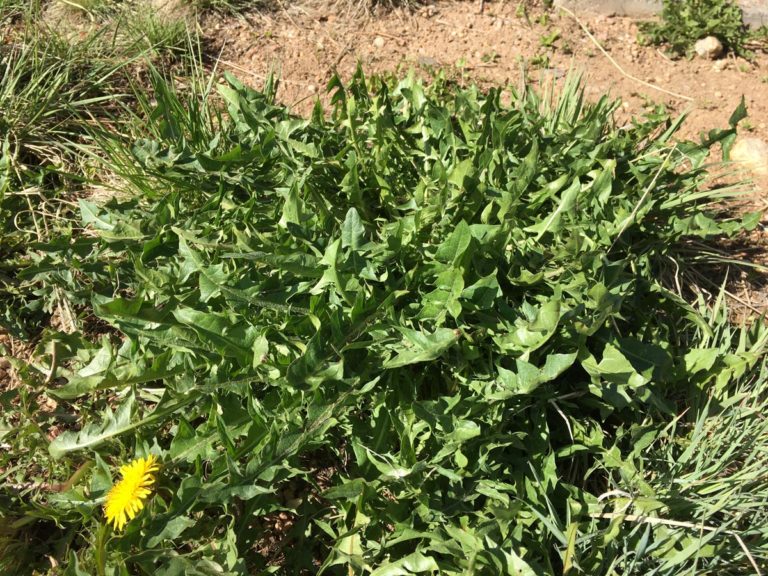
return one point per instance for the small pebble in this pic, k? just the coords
(752, 153)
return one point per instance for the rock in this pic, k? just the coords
(720, 65)
(709, 47)
(752, 153)
(379, 42)
(718, 94)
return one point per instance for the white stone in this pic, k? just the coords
(379, 42)
(752, 153)
(709, 47)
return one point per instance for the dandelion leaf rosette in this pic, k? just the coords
(422, 331)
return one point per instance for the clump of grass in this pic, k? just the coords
(47, 87)
(236, 7)
(159, 35)
(369, 6)
(242, 7)
(55, 85)
(15, 10)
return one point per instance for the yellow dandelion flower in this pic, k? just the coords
(126, 498)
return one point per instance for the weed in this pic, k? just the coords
(521, 11)
(420, 332)
(490, 57)
(540, 60)
(417, 327)
(683, 22)
(548, 40)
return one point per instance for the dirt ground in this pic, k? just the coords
(487, 42)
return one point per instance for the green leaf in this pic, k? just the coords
(700, 359)
(90, 214)
(218, 333)
(552, 223)
(414, 563)
(114, 424)
(92, 435)
(739, 113)
(420, 346)
(352, 231)
(530, 335)
(452, 250)
(348, 491)
(167, 529)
